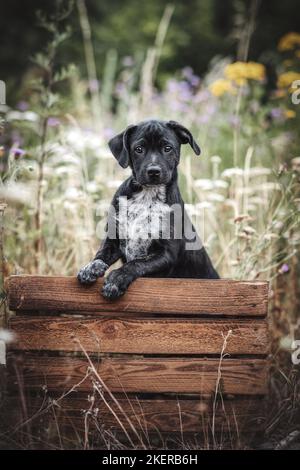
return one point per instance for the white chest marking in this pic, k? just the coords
(142, 219)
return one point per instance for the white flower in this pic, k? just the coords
(230, 172)
(216, 159)
(220, 184)
(204, 184)
(257, 171)
(215, 197)
(204, 205)
(73, 193)
(92, 187)
(30, 116)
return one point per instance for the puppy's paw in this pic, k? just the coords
(111, 291)
(115, 285)
(90, 273)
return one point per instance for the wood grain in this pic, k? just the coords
(175, 296)
(140, 336)
(147, 375)
(147, 415)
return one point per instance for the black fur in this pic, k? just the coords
(152, 150)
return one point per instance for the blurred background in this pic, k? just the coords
(78, 72)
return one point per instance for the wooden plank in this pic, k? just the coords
(145, 415)
(144, 336)
(147, 375)
(176, 296)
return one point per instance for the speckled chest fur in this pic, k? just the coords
(142, 218)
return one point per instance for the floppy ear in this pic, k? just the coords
(119, 147)
(184, 135)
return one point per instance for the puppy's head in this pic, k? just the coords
(152, 150)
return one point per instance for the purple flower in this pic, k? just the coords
(53, 122)
(195, 81)
(276, 113)
(188, 74)
(18, 153)
(284, 268)
(22, 105)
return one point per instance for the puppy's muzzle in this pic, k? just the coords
(154, 173)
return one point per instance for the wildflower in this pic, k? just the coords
(240, 72)
(289, 41)
(290, 113)
(276, 113)
(18, 153)
(53, 122)
(188, 74)
(221, 86)
(22, 105)
(286, 79)
(215, 197)
(230, 172)
(284, 268)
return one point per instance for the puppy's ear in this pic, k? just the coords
(119, 146)
(184, 136)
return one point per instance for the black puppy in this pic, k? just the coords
(148, 228)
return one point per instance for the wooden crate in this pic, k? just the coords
(172, 355)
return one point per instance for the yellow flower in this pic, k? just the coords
(289, 113)
(240, 72)
(289, 41)
(286, 79)
(221, 86)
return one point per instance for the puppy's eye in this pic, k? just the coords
(167, 148)
(139, 149)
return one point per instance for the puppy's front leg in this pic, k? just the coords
(105, 257)
(119, 280)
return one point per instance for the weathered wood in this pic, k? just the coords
(175, 296)
(146, 415)
(144, 336)
(148, 375)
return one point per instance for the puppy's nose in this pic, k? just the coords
(153, 171)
